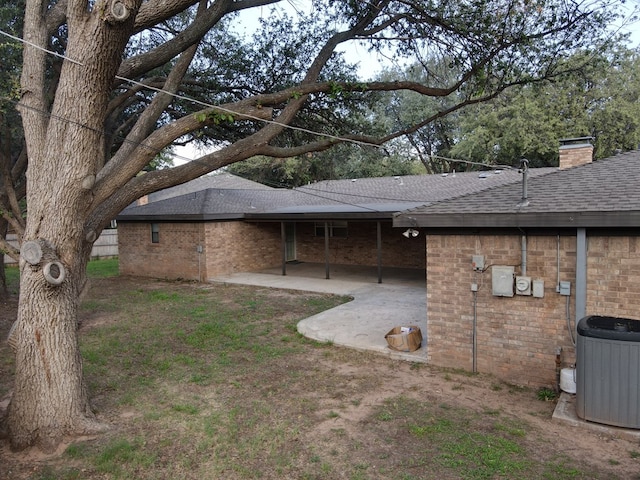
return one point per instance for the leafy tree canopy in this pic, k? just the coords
(600, 98)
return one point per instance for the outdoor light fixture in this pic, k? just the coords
(410, 232)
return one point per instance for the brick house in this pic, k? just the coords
(511, 269)
(220, 224)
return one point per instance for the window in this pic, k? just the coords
(155, 233)
(336, 229)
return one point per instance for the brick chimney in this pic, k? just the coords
(143, 200)
(575, 151)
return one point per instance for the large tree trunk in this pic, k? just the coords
(65, 153)
(49, 399)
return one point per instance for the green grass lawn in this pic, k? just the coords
(204, 381)
(101, 268)
(13, 278)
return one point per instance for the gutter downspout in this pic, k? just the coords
(475, 333)
(581, 275)
(523, 261)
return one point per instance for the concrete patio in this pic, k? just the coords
(362, 323)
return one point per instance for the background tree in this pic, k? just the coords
(12, 152)
(95, 118)
(598, 96)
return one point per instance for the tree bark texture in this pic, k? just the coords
(3, 275)
(65, 150)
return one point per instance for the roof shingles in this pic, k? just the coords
(595, 190)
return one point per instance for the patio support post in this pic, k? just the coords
(379, 228)
(283, 236)
(326, 250)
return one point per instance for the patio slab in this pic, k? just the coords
(363, 322)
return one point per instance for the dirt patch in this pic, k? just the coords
(315, 411)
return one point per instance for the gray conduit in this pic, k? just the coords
(523, 265)
(474, 332)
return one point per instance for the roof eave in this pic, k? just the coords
(178, 217)
(619, 219)
(318, 216)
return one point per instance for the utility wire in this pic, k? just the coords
(209, 105)
(201, 103)
(51, 52)
(303, 189)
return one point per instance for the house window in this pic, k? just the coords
(336, 229)
(155, 233)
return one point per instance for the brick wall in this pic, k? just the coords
(234, 246)
(613, 276)
(240, 247)
(228, 247)
(360, 246)
(517, 336)
(174, 256)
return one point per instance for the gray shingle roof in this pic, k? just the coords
(365, 197)
(605, 193)
(225, 181)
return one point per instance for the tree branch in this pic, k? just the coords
(156, 11)
(33, 75)
(9, 249)
(56, 15)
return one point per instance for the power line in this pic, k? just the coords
(209, 105)
(304, 190)
(51, 52)
(201, 103)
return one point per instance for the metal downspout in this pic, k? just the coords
(523, 261)
(474, 333)
(581, 274)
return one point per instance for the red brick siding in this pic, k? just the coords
(175, 256)
(613, 276)
(228, 247)
(234, 246)
(360, 246)
(517, 336)
(240, 247)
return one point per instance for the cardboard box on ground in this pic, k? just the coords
(404, 338)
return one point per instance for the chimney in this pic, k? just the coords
(143, 200)
(575, 151)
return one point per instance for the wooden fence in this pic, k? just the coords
(106, 245)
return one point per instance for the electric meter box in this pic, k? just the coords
(523, 285)
(502, 280)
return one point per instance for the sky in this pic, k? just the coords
(369, 64)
